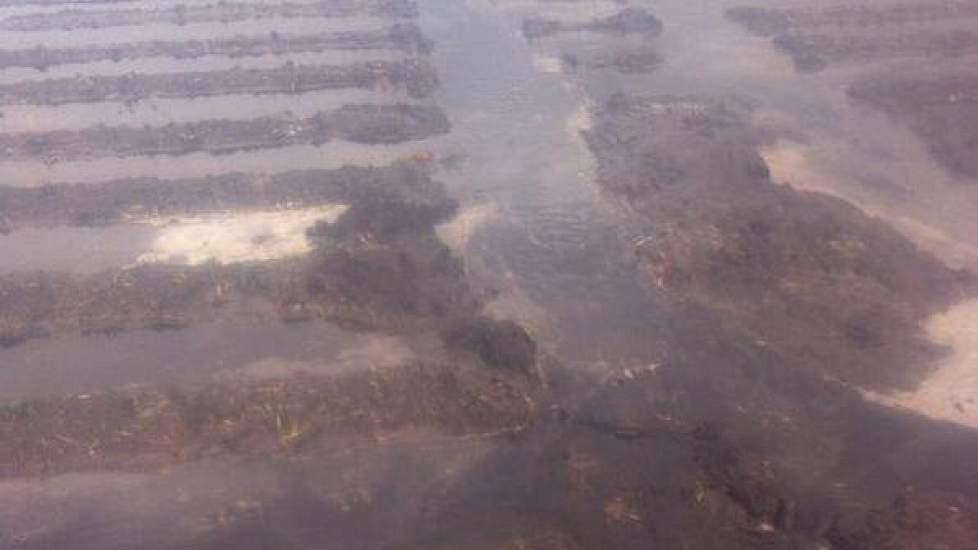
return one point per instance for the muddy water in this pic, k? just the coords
(535, 233)
(89, 251)
(552, 237)
(557, 252)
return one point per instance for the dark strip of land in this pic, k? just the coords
(406, 37)
(222, 12)
(367, 124)
(416, 78)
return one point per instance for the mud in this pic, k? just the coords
(146, 199)
(6, 3)
(940, 109)
(417, 79)
(722, 332)
(636, 61)
(366, 271)
(143, 429)
(783, 264)
(629, 21)
(774, 21)
(814, 52)
(405, 37)
(367, 124)
(223, 12)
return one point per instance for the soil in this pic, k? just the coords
(225, 12)
(404, 37)
(774, 21)
(629, 21)
(935, 103)
(142, 199)
(6, 3)
(417, 79)
(141, 429)
(354, 123)
(381, 266)
(781, 263)
(814, 52)
(629, 61)
(740, 422)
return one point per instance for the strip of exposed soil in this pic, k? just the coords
(772, 21)
(223, 12)
(418, 79)
(406, 37)
(99, 204)
(627, 21)
(145, 429)
(7, 3)
(635, 61)
(368, 124)
(813, 52)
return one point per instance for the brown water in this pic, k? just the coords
(538, 236)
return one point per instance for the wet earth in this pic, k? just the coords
(488, 274)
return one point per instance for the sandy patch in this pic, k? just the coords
(790, 164)
(548, 64)
(950, 393)
(378, 352)
(456, 232)
(581, 120)
(229, 238)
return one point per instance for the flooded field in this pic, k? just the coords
(488, 274)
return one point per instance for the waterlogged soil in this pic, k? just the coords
(782, 264)
(223, 12)
(416, 79)
(773, 21)
(145, 429)
(933, 98)
(724, 329)
(815, 52)
(941, 111)
(378, 267)
(143, 199)
(367, 124)
(405, 37)
(629, 21)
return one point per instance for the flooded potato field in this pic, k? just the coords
(488, 274)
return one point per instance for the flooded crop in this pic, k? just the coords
(493, 274)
